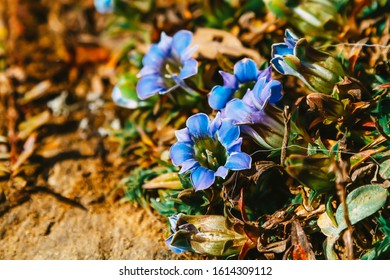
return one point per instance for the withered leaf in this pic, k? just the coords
(28, 150)
(211, 41)
(302, 249)
(33, 123)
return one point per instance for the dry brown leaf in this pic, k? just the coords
(301, 247)
(36, 92)
(88, 54)
(211, 41)
(28, 149)
(33, 123)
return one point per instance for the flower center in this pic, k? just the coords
(210, 153)
(243, 88)
(170, 67)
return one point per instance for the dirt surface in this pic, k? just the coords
(61, 200)
(77, 216)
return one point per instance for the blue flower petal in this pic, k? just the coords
(229, 80)
(238, 161)
(222, 172)
(281, 49)
(149, 85)
(246, 70)
(290, 38)
(198, 125)
(258, 96)
(266, 73)
(188, 165)
(183, 135)
(219, 96)
(165, 44)
(276, 91)
(263, 93)
(249, 98)
(181, 41)
(215, 124)
(228, 132)
(187, 53)
(104, 6)
(180, 152)
(173, 221)
(235, 146)
(149, 70)
(240, 112)
(190, 68)
(202, 178)
(154, 57)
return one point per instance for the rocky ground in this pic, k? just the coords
(61, 199)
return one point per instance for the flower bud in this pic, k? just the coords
(318, 70)
(204, 234)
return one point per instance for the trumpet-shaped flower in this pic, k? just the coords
(208, 149)
(318, 70)
(167, 64)
(204, 234)
(263, 122)
(245, 75)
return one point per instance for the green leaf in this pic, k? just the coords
(384, 169)
(361, 203)
(125, 95)
(329, 248)
(378, 250)
(383, 247)
(327, 226)
(166, 181)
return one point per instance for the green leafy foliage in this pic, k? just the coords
(332, 150)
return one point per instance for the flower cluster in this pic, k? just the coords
(246, 102)
(244, 148)
(247, 105)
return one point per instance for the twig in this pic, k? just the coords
(287, 118)
(342, 179)
(12, 116)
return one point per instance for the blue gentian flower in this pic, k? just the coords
(204, 234)
(256, 117)
(244, 77)
(104, 6)
(208, 150)
(318, 70)
(167, 64)
(281, 49)
(183, 245)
